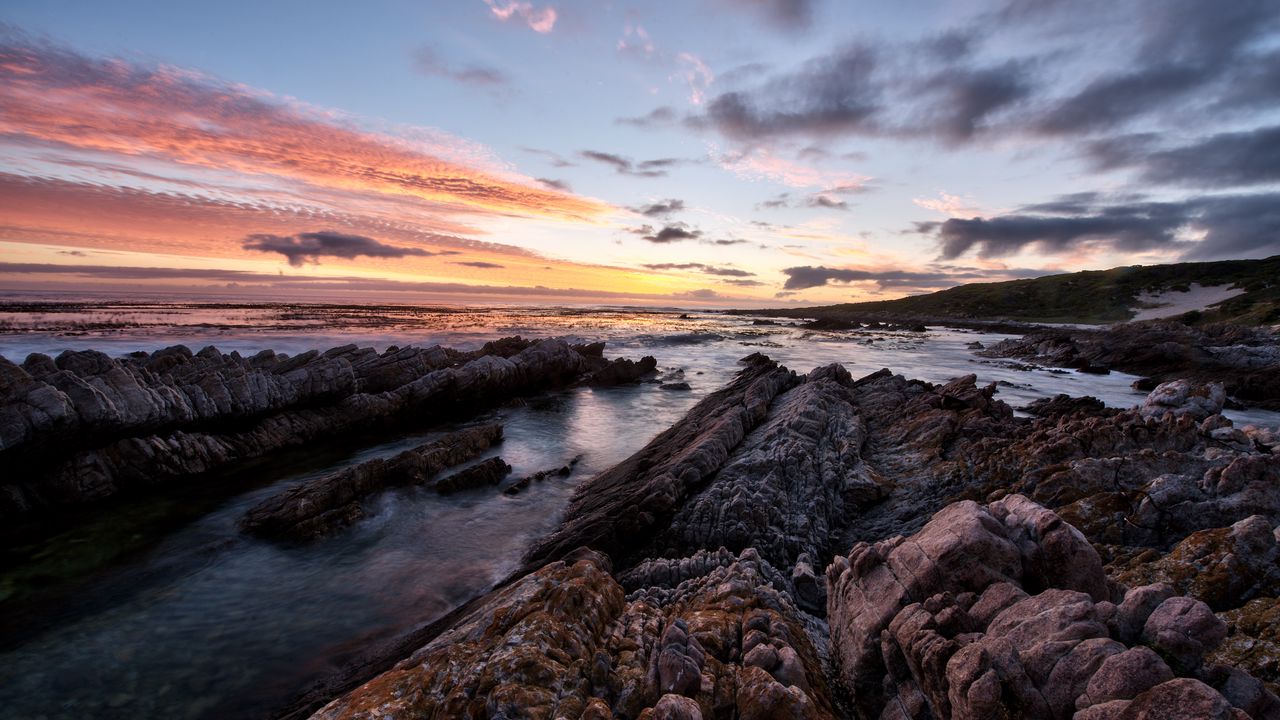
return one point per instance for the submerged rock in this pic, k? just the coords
(319, 506)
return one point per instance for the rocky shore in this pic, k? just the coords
(815, 546)
(1246, 360)
(85, 427)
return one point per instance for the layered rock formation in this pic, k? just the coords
(85, 426)
(687, 582)
(319, 506)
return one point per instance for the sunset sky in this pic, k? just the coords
(700, 153)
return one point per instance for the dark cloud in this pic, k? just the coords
(311, 246)
(669, 233)
(800, 278)
(555, 184)
(658, 117)
(1227, 225)
(480, 264)
(673, 232)
(1233, 159)
(554, 158)
(1136, 60)
(662, 208)
(829, 95)
(964, 99)
(627, 166)
(722, 241)
(707, 269)
(823, 200)
(936, 277)
(427, 62)
(787, 15)
(744, 283)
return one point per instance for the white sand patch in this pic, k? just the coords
(1168, 303)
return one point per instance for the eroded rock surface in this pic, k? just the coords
(1004, 611)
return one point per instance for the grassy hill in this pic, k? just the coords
(1095, 296)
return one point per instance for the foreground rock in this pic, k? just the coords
(1005, 611)
(324, 504)
(687, 582)
(85, 427)
(566, 641)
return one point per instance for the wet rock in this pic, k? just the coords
(675, 386)
(563, 471)
(94, 426)
(324, 504)
(487, 472)
(622, 371)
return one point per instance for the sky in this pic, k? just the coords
(741, 153)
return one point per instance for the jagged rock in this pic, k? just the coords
(487, 472)
(1224, 567)
(621, 508)
(564, 642)
(786, 485)
(138, 421)
(318, 506)
(1065, 406)
(622, 371)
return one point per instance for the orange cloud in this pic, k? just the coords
(54, 96)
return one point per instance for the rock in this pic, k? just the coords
(677, 386)
(564, 641)
(1224, 567)
(1182, 397)
(1243, 359)
(1124, 676)
(784, 489)
(1253, 640)
(324, 504)
(1065, 406)
(486, 472)
(1182, 630)
(621, 508)
(622, 371)
(988, 609)
(91, 427)
(673, 707)
(563, 471)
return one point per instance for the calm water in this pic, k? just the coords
(182, 616)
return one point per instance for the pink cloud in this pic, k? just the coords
(541, 20)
